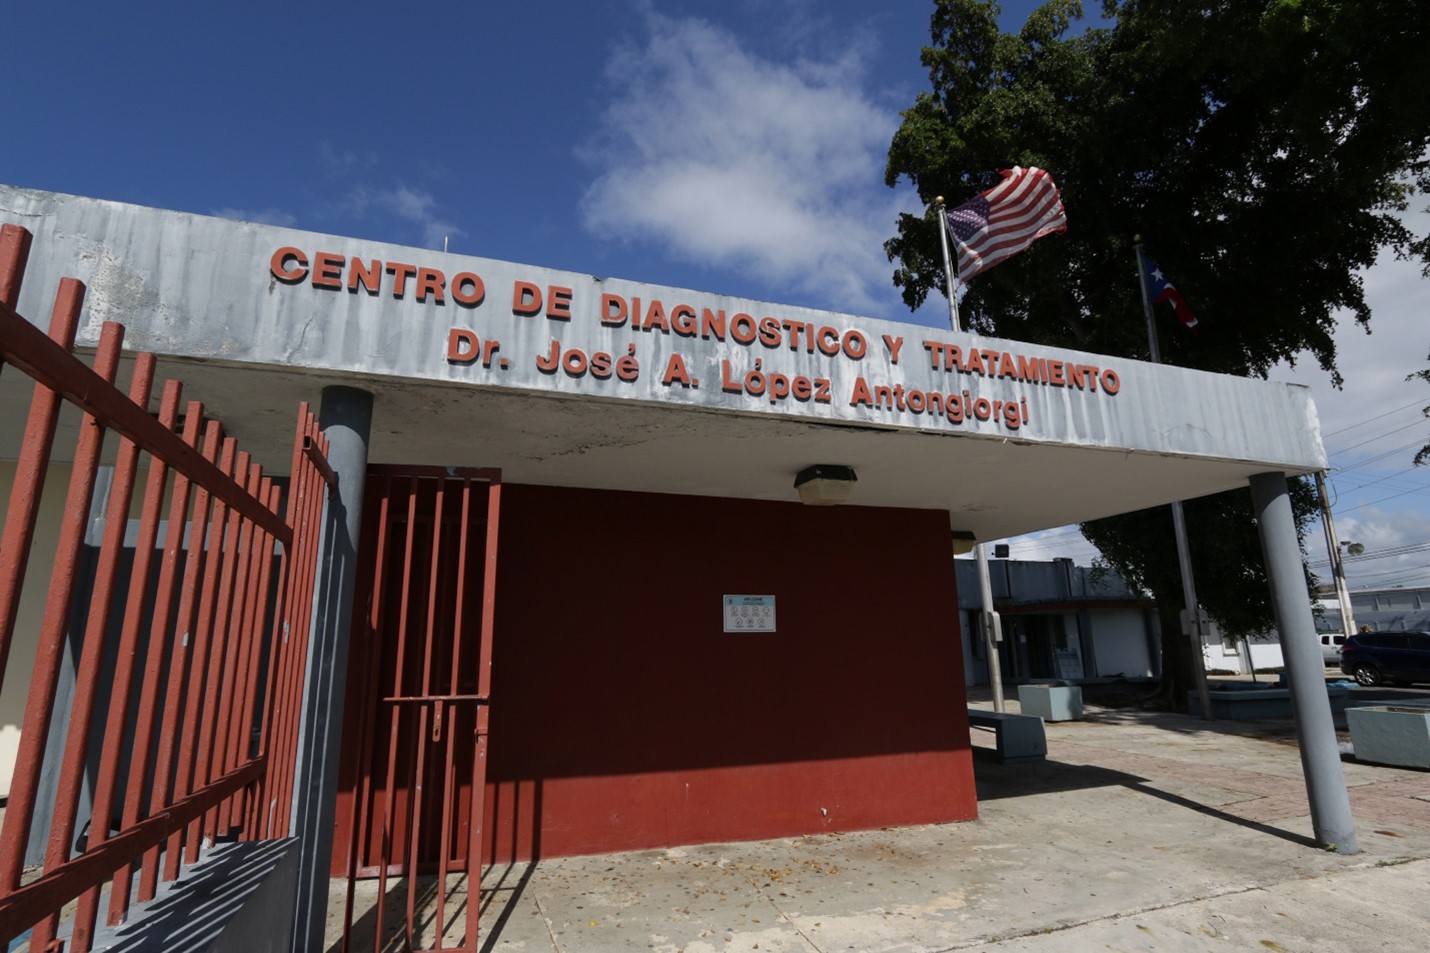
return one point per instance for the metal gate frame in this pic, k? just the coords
(437, 706)
(211, 628)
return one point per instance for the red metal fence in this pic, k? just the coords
(419, 691)
(199, 727)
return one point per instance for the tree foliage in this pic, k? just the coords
(1262, 150)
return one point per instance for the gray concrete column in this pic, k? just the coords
(346, 418)
(1331, 820)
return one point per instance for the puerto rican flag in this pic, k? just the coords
(1159, 289)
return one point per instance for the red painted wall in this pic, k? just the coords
(624, 717)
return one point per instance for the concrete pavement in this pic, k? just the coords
(1141, 831)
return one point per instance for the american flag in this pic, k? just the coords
(1005, 220)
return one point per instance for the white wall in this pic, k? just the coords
(1120, 643)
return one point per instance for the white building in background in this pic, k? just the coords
(1060, 621)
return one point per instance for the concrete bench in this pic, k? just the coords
(1020, 738)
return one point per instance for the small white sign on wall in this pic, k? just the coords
(749, 613)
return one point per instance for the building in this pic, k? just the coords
(1402, 609)
(581, 491)
(1060, 621)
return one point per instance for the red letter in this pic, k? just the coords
(462, 296)
(613, 310)
(400, 273)
(360, 274)
(463, 346)
(558, 303)
(525, 298)
(431, 281)
(278, 265)
(328, 270)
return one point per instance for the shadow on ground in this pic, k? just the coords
(998, 781)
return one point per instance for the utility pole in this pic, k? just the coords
(1338, 567)
(992, 626)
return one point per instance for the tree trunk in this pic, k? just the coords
(1177, 667)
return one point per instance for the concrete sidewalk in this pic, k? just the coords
(1142, 831)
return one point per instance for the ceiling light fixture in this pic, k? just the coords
(825, 484)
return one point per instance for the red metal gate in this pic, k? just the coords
(201, 664)
(420, 685)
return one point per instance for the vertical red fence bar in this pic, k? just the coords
(150, 700)
(273, 494)
(206, 675)
(423, 709)
(192, 697)
(306, 519)
(179, 661)
(44, 680)
(24, 506)
(227, 756)
(359, 829)
(451, 784)
(280, 653)
(14, 254)
(110, 752)
(484, 691)
(67, 793)
(425, 666)
(214, 755)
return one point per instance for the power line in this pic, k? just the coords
(1383, 499)
(1402, 550)
(1362, 423)
(1412, 573)
(1362, 486)
(1381, 456)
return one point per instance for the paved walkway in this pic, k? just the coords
(1140, 832)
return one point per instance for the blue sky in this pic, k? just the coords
(734, 147)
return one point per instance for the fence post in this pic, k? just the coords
(346, 417)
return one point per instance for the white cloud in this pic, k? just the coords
(1375, 365)
(340, 163)
(267, 216)
(723, 158)
(1392, 541)
(410, 205)
(1373, 426)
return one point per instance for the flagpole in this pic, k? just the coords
(991, 626)
(950, 279)
(1146, 301)
(1179, 521)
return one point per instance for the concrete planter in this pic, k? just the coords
(1052, 702)
(1387, 734)
(1241, 701)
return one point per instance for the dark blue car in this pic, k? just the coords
(1374, 658)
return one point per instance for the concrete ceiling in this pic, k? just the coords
(992, 487)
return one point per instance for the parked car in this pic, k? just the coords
(1331, 648)
(1372, 658)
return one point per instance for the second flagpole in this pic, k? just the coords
(1193, 615)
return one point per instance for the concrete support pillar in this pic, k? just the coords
(346, 418)
(1331, 821)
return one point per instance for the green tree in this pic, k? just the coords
(1261, 148)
